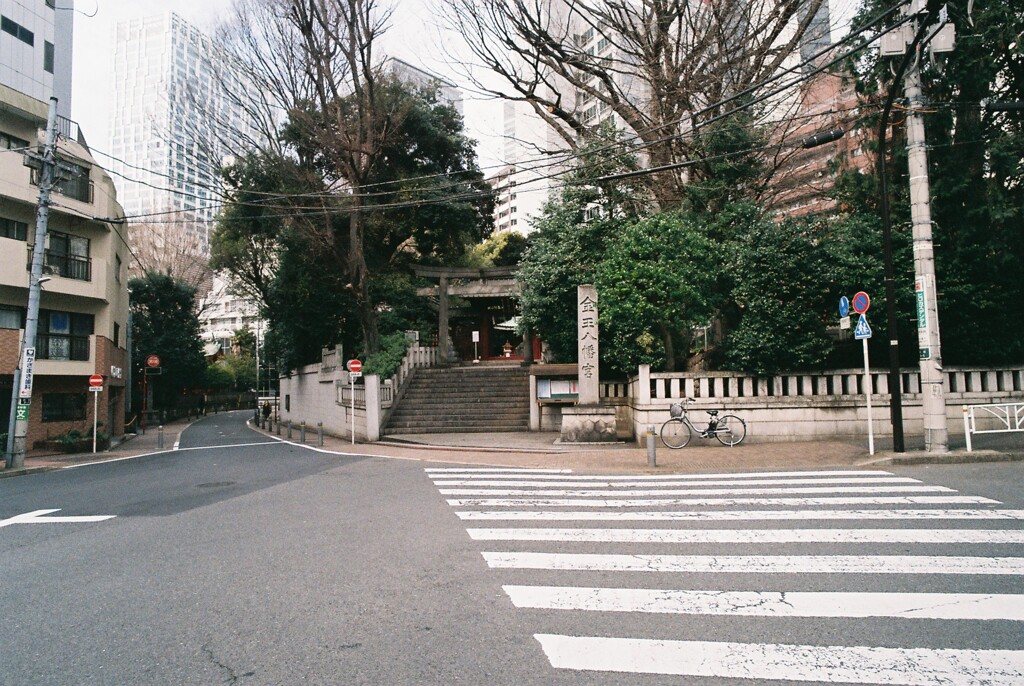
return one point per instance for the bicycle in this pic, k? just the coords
(729, 429)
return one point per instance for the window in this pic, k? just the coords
(17, 30)
(63, 407)
(11, 317)
(75, 183)
(117, 335)
(117, 273)
(68, 256)
(48, 56)
(63, 335)
(11, 228)
(9, 142)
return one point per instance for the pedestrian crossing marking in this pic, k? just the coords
(743, 515)
(618, 502)
(585, 493)
(760, 564)
(686, 501)
(566, 474)
(755, 536)
(971, 606)
(825, 664)
(674, 482)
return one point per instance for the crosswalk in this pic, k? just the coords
(847, 550)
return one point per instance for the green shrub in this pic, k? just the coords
(386, 361)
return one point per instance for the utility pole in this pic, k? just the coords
(933, 393)
(21, 394)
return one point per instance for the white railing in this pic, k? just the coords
(345, 391)
(994, 419)
(416, 357)
(845, 382)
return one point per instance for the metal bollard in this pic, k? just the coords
(302, 431)
(160, 437)
(320, 434)
(278, 427)
(652, 447)
(289, 429)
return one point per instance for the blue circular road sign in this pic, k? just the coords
(844, 306)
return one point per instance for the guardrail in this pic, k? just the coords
(997, 418)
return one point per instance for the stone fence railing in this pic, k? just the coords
(813, 405)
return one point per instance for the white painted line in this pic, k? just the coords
(582, 493)
(971, 606)
(769, 536)
(492, 471)
(448, 473)
(667, 502)
(38, 517)
(477, 483)
(761, 564)
(746, 515)
(780, 662)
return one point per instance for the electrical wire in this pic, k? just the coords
(548, 163)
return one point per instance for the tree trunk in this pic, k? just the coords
(360, 279)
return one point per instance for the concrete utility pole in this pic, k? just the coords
(21, 395)
(936, 433)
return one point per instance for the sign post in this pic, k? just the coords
(152, 362)
(863, 333)
(355, 368)
(96, 386)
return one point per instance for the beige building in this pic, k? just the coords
(83, 316)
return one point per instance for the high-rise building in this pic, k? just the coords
(174, 122)
(35, 49)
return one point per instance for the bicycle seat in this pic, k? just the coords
(713, 413)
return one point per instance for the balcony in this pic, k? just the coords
(67, 266)
(62, 347)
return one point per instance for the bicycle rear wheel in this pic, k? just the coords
(731, 430)
(675, 433)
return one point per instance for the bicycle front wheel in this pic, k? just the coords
(731, 430)
(675, 433)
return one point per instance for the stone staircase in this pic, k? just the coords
(479, 398)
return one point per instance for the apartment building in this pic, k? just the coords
(805, 178)
(83, 316)
(35, 49)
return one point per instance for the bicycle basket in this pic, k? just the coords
(675, 410)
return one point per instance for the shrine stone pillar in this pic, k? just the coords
(588, 421)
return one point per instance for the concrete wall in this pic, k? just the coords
(316, 393)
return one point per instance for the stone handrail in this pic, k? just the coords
(664, 387)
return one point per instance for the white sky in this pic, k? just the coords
(413, 38)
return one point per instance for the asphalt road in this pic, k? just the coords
(240, 559)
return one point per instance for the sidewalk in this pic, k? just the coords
(541, 450)
(132, 445)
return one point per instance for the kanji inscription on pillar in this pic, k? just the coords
(586, 299)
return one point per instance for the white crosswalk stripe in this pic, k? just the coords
(643, 527)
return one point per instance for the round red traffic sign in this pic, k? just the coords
(861, 302)
(354, 365)
(152, 361)
(95, 380)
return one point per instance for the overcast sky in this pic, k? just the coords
(411, 38)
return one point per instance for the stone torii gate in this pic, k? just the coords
(495, 282)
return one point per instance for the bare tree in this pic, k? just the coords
(176, 247)
(664, 67)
